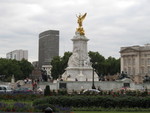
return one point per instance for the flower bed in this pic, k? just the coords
(16, 107)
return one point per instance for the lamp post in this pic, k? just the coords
(93, 86)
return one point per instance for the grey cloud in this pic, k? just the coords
(110, 24)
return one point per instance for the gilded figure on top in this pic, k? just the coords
(79, 21)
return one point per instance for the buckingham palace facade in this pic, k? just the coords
(135, 61)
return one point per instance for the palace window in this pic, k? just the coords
(133, 71)
(142, 70)
(129, 61)
(133, 61)
(148, 69)
(125, 63)
(148, 61)
(126, 84)
(125, 70)
(129, 70)
(142, 61)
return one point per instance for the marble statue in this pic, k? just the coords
(74, 59)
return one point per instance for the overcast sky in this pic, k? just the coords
(109, 24)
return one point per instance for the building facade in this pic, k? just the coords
(17, 55)
(47, 68)
(48, 46)
(135, 61)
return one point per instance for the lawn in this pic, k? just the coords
(104, 112)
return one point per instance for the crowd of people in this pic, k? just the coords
(33, 84)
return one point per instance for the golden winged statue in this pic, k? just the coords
(79, 21)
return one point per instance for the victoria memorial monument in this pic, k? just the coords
(79, 65)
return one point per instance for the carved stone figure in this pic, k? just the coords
(79, 65)
(74, 59)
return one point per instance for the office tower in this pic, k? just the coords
(48, 46)
(17, 55)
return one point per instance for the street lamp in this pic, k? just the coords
(93, 86)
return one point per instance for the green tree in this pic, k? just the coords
(59, 64)
(104, 66)
(20, 69)
(64, 60)
(112, 65)
(8, 68)
(56, 67)
(101, 65)
(98, 62)
(26, 68)
(13, 69)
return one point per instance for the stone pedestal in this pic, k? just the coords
(79, 65)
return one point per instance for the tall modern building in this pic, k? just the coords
(17, 55)
(135, 61)
(48, 46)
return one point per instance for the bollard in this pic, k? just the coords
(48, 110)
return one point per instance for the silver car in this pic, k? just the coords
(5, 89)
(91, 91)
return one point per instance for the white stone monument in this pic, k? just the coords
(79, 65)
(12, 79)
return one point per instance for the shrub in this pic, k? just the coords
(20, 97)
(96, 101)
(47, 91)
(62, 92)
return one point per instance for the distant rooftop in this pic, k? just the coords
(146, 47)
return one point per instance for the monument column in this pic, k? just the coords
(79, 66)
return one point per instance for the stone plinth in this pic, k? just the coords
(79, 65)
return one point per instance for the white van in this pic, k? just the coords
(5, 89)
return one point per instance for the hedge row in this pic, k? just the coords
(19, 97)
(95, 101)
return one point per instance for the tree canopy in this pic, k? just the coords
(59, 64)
(20, 69)
(102, 66)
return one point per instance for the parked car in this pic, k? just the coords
(91, 91)
(5, 89)
(39, 91)
(22, 90)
